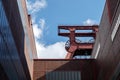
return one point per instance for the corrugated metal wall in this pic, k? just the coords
(63, 75)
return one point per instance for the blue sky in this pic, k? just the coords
(48, 14)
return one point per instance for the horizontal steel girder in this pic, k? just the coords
(94, 27)
(90, 34)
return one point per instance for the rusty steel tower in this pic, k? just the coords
(74, 46)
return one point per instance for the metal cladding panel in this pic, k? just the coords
(112, 8)
(9, 59)
(3, 75)
(12, 41)
(63, 75)
(65, 69)
(109, 57)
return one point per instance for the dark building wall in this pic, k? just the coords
(86, 67)
(3, 75)
(108, 54)
(112, 8)
(9, 57)
(17, 46)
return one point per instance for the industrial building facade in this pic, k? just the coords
(18, 58)
(17, 46)
(107, 48)
(105, 58)
(73, 69)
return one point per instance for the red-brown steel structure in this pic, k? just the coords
(72, 45)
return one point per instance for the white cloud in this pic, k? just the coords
(42, 23)
(54, 51)
(89, 22)
(36, 6)
(38, 29)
